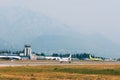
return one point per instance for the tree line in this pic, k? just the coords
(79, 56)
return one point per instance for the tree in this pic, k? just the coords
(42, 54)
(118, 59)
(55, 55)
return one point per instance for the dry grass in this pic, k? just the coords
(59, 72)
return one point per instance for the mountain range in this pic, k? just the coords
(20, 26)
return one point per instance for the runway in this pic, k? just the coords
(50, 63)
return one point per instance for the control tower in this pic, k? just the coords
(27, 50)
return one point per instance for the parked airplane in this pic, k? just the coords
(10, 57)
(52, 58)
(95, 59)
(65, 59)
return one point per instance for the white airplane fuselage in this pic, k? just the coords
(65, 59)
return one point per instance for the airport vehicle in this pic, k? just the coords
(68, 59)
(95, 59)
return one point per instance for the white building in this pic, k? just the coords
(28, 50)
(28, 53)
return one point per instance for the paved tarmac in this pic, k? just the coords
(41, 63)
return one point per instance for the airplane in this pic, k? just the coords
(95, 59)
(11, 57)
(61, 60)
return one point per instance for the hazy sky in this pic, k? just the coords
(84, 16)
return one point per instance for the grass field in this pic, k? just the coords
(63, 72)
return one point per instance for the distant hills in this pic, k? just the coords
(20, 26)
(94, 44)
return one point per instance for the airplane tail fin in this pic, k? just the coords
(90, 56)
(69, 57)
